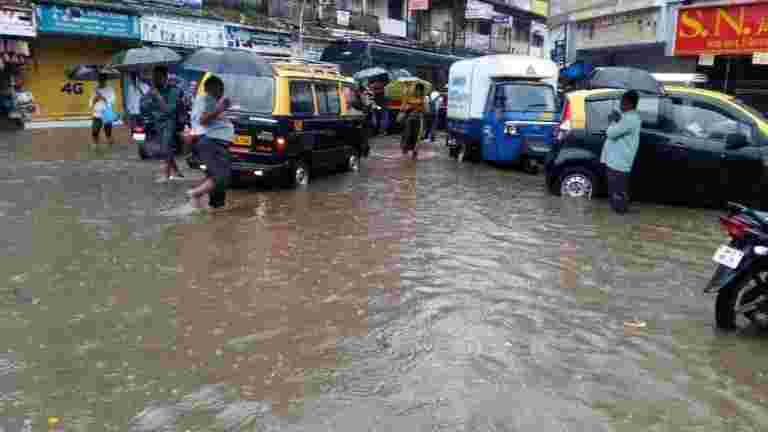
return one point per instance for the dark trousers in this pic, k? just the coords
(430, 121)
(218, 165)
(96, 127)
(618, 189)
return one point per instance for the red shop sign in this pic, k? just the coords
(725, 29)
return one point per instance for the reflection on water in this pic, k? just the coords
(412, 295)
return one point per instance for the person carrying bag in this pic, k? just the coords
(104, 115)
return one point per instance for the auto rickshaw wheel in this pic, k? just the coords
(461, 153)
(298, 174)
(530, 166)
(353, 161)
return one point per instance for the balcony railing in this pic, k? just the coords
(470, 40)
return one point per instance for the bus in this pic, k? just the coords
(355, 55)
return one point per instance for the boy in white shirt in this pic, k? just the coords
(104, 96)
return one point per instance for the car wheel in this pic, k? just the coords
(530, 167)
(577, 182)
(299, 174)
(353, 162)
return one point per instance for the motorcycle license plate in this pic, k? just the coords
(728, 256)
(139, 137)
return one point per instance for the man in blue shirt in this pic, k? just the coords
(620, 149)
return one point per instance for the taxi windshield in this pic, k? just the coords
(252, 94)
(525, 97)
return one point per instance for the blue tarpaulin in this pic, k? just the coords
(576, 71)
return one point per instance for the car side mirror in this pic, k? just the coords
(735, 141)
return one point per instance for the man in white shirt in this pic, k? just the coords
(432, 116)
(135, 90)
(103, 98)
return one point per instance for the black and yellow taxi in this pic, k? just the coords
(697, 147)
(292, 122)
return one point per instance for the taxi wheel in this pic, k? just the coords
(353, 162)
(577, 182)
(298, 174)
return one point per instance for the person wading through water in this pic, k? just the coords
(216, 134)
(412, 116)
(164, 104)
(103, 98)
(620, 149)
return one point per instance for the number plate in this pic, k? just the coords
(728, 256)
(242, 140)
(139, 137)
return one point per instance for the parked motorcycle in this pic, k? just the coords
(741, 278)
(139, 136)
(144, 129)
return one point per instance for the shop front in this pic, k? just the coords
(632, 38)
(730, 44)
(258, 41)
(17, 29)
(69, 36)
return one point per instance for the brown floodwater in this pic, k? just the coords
(408, 296)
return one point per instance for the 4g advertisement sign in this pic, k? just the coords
(729, 29)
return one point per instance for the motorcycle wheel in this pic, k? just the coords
(737, 306)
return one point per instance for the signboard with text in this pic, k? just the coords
(540, 7)
(257, 41)
(185, 33)
(706, 60)
(521, 4)
(716, 30)
(85, 21)
(17, 22)
(760, 58)
(192, 4)
(626, 29)
(416, 5)
(479, 10)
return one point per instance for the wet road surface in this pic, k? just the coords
(409, 296)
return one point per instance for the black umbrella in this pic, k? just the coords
(92, 73)
(227, 61)
(368, 74)
(625, 78)
(136, 59)
(371, 74)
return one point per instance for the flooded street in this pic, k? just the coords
(424, 296)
